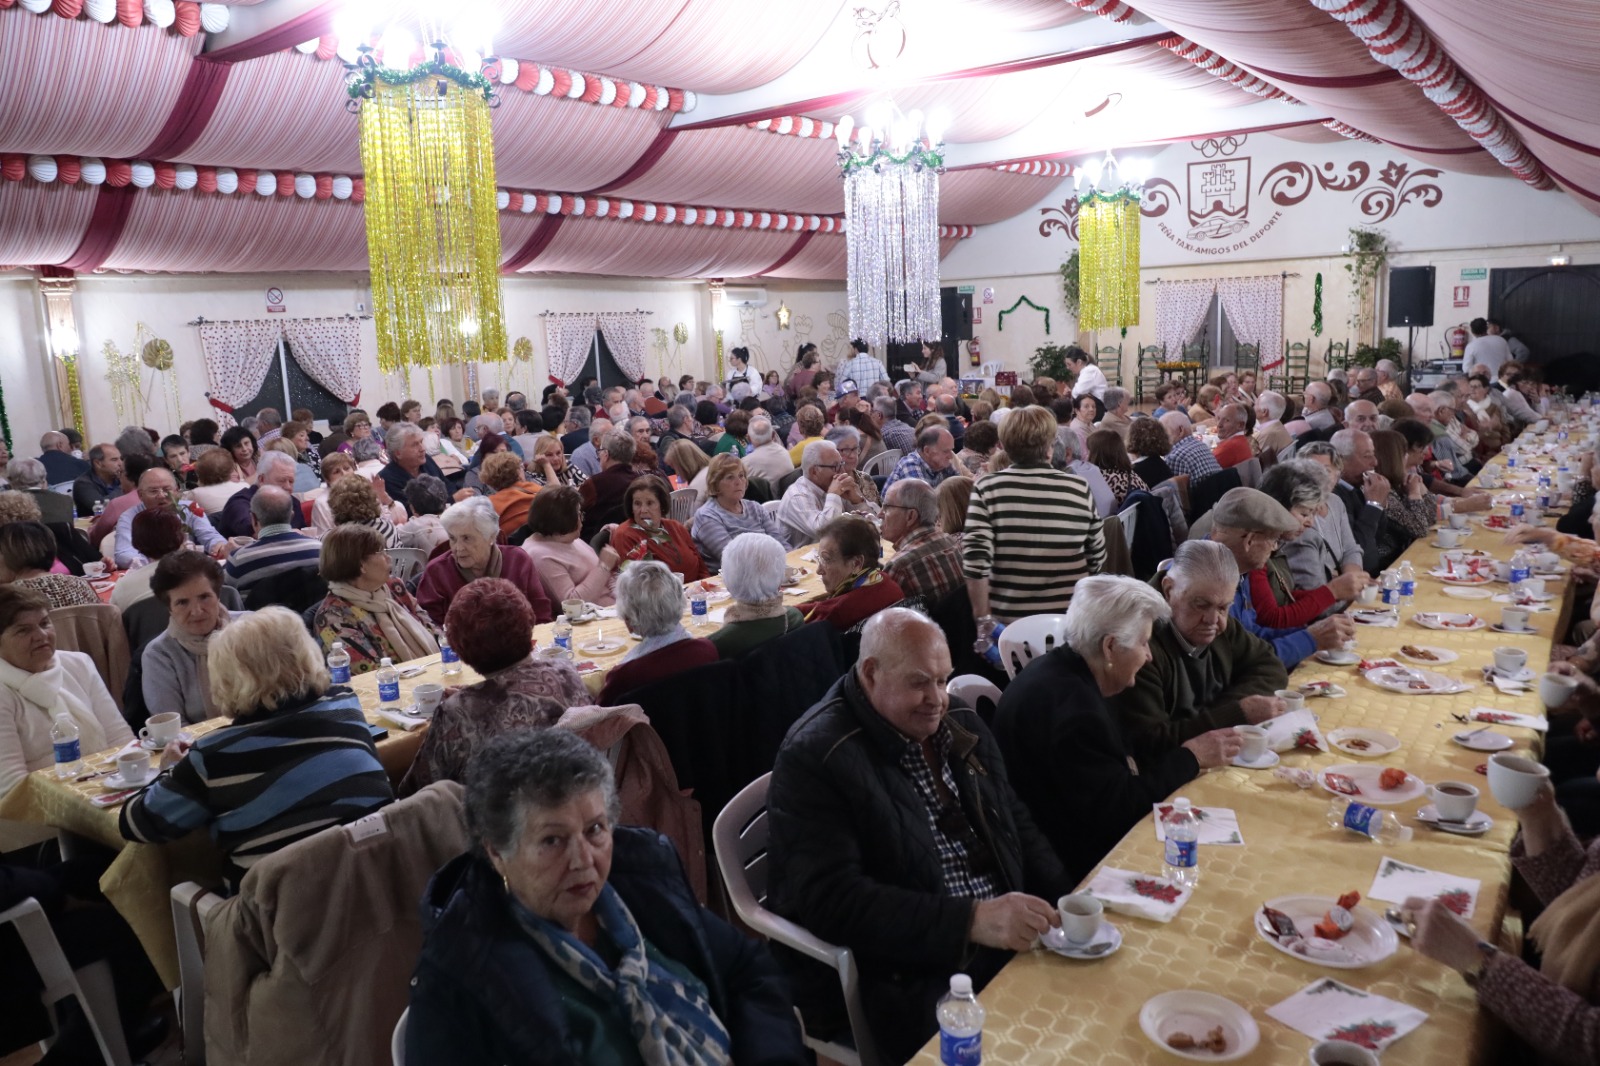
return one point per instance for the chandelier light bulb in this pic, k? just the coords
(398, 46)
(880, 115)
(469, 327)
(842, 128)
(864, 137)
(474, 28)
(937, 122)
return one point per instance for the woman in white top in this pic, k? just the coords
(739, 361)
(38, 683)
(1089, 378)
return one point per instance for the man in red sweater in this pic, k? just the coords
(1234, 445)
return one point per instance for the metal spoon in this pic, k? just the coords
(1398, 920)
(1098, 949)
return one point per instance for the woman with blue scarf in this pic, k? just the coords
(564, 938)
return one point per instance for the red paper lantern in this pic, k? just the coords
(166, 175)
(6, 3)
(327, 46)
(130, 12)
(527, 76)
(68, 169)
(567, 204)
(118, 172)
(324, 186)
(247, 181)
(563, 82)
(286, 183)
(674, 99)
(13, 166)
(514, 203)
(205, 179)
(591, 89)
(187, 19)
(358, 190)
(67, 9)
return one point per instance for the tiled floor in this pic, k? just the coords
(168, 1054)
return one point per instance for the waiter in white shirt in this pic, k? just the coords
(1088, 378)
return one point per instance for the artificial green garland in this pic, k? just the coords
(5, 421)
(1000, 320)
(360, 85)
(1316, 306)
(926, 157)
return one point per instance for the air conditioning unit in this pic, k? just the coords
(747, 294)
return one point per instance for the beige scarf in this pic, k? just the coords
(1568, 935)
(200, 648)
(492, 569)
(47, 691)
(751, 612)
(401, 631)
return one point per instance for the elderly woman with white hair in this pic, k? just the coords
(753, 566)
(650, 603)
(1061, 738)
(474, 530)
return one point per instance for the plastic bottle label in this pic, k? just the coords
(1391, 596)
(340, 674)
(564, 640)
(68, 751)
(1517, 509)
(960, 1050)
(1182, 853)
(389, 691)
(1518, 576)
(1359, 817)
(1408, 588)
(447, 654)
(697, 607)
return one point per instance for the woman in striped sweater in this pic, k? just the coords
(297, 757)
(1032, 531)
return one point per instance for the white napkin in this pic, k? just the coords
(1506, 685)
(404, 722)
(1287, 730)
(1397, 881)
(1138, 895)
(1536, 722)
(809, 557)
(1218, 825)
(1331, 1010)
(1536, 606)
(717, 615)
(605, 612)
(1388, 621)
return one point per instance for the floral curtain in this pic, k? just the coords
(238, 356)
(625, 336)
(1254, 307)
(1180, 311)
(568, 338)
(329, 351)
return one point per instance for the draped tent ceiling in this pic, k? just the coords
(692, 138)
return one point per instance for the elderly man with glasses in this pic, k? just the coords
(818, 496)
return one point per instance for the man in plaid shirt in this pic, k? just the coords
(927, 560)
(861, 368)
(1189, 455)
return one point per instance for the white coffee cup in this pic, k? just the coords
(1546, 560)
(1080, 917)
(1448, 538)
(1555, 689)
(427, 697)
(1514, 619)
(1509, 661)
(1459, 521)
(161, 729)
(1454, 800)
(1368, 594)
(1449, 560)
(1342, 1053)
(1252, 740)
(1292, 700)
(1534, 586)
(134, 767)
(1515, 779)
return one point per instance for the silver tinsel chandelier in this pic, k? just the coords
(891, 173)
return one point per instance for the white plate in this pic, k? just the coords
(1370, 940)
(183, 735)
(1366, 779)
(1461, 593)
(1379, 742)
(1525, 674)
(1488, 740)
(1498, 628)
(1437, 620)
(1441, 655)
(1055, 939)
(1371, 616)
(1197, 1013)
(601, 647)
(1338, 658)
(1533, 598)
(1267, 761)
(1476, 826)
(1400, 678)
(1462, 580)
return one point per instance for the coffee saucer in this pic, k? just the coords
(1525, 674)
(1106, 940)
(1477, 825)
(1483, 740)
(183, 735)
(1267, 761)
(114, 781)
(1498, 628)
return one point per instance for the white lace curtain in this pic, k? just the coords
(329, 351)
(1180, 311)
(1254, 307)
(568, 338)
(238, 356)
(624, 334)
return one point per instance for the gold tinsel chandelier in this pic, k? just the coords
(433, 232)
(1108, 237)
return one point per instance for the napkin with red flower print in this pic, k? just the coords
(1332, 1010)
(1138, 895)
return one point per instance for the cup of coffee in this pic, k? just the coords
(134, 767)
(1448, 538)
(1454, 800)
(1459, 521)
(1534, 586)
(1342, 1053)
(1514, 779)
(1292, 699)
(1252, 741)
(1080, 917)
(1546, 561)
(1515, 619)
(574, 608)
(1509, 661)
(791, 575)
(1368, 595)
(161, 729)
(427, 697)
(1556, 689)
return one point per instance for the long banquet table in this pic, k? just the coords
(1046, 1009)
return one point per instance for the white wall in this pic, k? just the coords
(24, 367)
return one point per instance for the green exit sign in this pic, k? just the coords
(966, 290)
(1474, 273)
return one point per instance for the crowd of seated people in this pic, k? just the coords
(903, 825)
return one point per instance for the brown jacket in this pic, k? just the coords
(311, 962)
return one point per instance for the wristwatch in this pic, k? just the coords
(1488, 951)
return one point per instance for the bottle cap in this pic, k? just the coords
(960, 984)
(385, 661)
(1180, 804)
(1406, 833)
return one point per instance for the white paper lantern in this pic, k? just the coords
(626, 210)
(101, 10)
(649, 212)
(266, 183)
(38, 7)
(786, 124)
(689, 215)
(577, 205)
(661, 99)
(508, 71)
(530, 203)
(91, 171)
(305, 186)
(42, 167)
(186, 178)
(227, 180)
(813, 222)
(546, 82)
(763, 220)
(635, 94)
(502, 200)
(782, 222)
(160, 12)
(305, 48)
(807, 127)
(578, 86)
(213, 18)
(669, 213)
(144, 175)
(601, 206)
(342, 187)
(690, 98)
(746, 218)
(349, 51)
(608, 92)
(726, 219)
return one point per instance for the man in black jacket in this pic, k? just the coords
(1363, 491)
(895, 833)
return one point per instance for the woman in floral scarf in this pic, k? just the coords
(649, 534)
(373, 614)
(848, 557)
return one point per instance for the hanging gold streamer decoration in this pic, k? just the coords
(1108, 271)
(74, 392)
(433, 235)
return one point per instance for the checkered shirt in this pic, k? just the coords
(1191, 456)
(960, 879)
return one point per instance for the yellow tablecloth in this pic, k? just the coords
(1045, 1009)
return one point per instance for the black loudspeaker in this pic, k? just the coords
(1410, 296)
(955, 310)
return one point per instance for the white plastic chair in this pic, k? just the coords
(683, 505)
(1029, 637)
(970, 688)
(882, 463)
(191, 902)
(397, 1046)
(91, 985)
(739, 837)
(406, 563)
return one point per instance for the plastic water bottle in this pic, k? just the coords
(99, 508)
(1389, 588)
(69, 753)
(698, 613)
(449, 661)
(1182, 830)
(339, 663)
(562, 634)
(960, 1024)
(1408, 584)
(388, 681)
(1521, 567)
(1381, 827)
(1519, 502)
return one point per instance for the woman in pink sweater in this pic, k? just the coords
(567, 565)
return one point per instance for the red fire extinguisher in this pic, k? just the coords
(975, 352)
